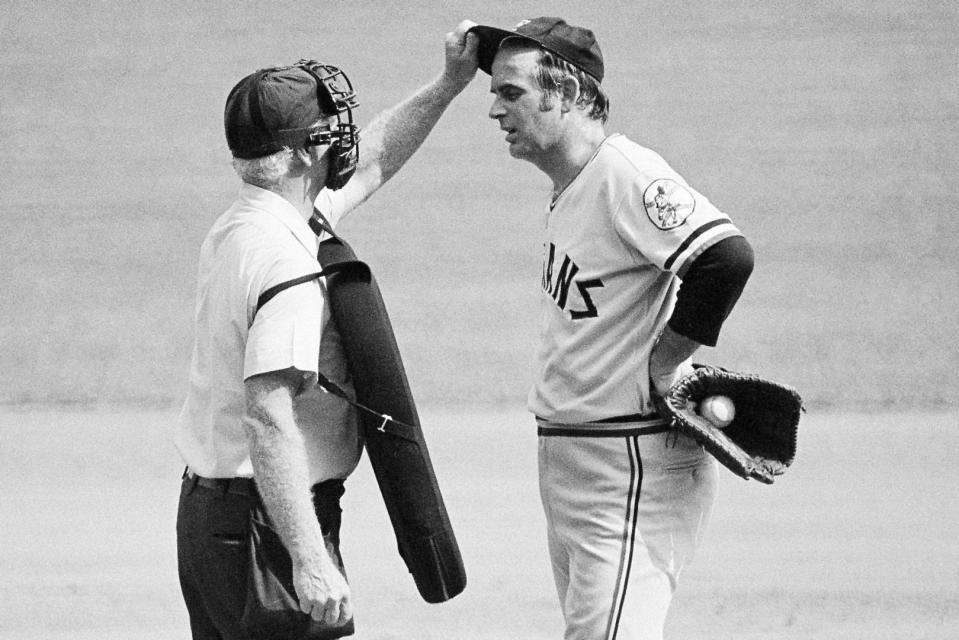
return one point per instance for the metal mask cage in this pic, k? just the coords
(339, 95)
(336, 96)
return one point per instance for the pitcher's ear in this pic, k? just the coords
(569, 92)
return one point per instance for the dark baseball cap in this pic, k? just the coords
(575, 45)
(271, 109)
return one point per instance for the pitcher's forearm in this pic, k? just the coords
(670, 351)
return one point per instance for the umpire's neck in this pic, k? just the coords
(305, 178)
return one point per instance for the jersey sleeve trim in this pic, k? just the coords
(684, 248)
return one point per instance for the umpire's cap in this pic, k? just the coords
(576, 45)
(271, 109)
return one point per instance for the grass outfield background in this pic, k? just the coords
(828, 131)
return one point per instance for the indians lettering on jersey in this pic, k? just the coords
(558, 281)
(618, 239)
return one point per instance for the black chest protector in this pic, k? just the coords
(391, 427)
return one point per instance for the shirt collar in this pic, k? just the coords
(282, 210)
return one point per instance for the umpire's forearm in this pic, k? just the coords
(398, 132)
(393, 137)
(279, 466)
(395, 134)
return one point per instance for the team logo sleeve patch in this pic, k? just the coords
(668, 203)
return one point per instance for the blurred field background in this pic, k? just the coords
(851, 544)
(828, 131)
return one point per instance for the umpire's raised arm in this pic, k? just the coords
(395, 134)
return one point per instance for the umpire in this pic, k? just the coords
(255, 429)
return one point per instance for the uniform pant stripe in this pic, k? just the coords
(629, 535)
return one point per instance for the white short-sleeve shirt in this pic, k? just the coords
(261, 241)
(617, 240)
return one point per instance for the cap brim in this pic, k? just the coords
(490, 39)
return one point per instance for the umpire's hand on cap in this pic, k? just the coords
(461, 56)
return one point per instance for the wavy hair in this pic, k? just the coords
(550, 72)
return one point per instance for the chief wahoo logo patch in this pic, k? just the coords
(668, 203)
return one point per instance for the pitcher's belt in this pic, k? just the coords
(636, 425)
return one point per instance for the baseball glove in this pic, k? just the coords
(760, 442)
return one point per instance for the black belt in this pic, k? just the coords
(326, 490)
(632, 417)
(602, 433)
(637, 424)
(236, 486)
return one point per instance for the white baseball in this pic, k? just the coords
(719, 410)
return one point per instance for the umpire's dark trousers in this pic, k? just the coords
(213, 524)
